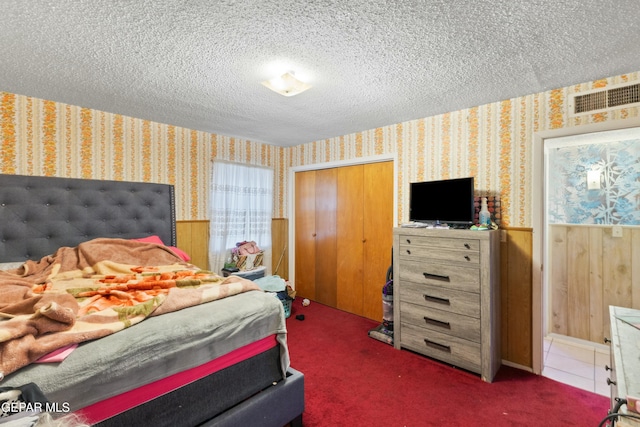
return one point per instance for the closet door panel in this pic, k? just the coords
(305, 234)
(350, 239)
(378, 234)
(343, 236)
(326, 238)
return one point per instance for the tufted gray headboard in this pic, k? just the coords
(40, 214)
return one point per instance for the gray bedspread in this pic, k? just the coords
(158, 347)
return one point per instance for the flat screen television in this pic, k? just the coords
(448, 201)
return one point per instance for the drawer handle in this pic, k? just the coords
(409, 241)
(607, 368)
(468, 246)
(437, 322)
(437, 346)
(436, 299)
(436, 277)
(609, 382)
(467, 257)
(606, 340)
(408, 252)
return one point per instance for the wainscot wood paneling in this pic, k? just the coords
(591, 269)
(193, 238)
(516, 255)
(279, 248)
(516, 250)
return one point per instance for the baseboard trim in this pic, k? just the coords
(515, 365)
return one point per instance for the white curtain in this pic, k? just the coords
(241, 209)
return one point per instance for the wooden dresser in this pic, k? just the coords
(446, 296)
(624, 374)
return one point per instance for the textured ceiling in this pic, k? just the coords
(199, 63)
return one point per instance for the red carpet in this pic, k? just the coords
(354, 380)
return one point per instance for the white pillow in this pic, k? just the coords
(10, 265)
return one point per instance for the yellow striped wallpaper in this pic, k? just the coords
(492, 142)
(52, 139)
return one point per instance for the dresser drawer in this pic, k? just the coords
(613, 381)
(613, 390)
(412, 252)
(443, 275)
(445, 322)
(440, 298)
(453, 350)
(441, 243)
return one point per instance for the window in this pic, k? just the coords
(241, 207)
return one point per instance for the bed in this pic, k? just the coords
(223, 362)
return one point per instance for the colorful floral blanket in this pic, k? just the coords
(95, 289)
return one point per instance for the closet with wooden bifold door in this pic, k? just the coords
(344, 236)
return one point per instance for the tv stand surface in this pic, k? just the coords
(460, 226)
(439, 225)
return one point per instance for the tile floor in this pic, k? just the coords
(577, 363)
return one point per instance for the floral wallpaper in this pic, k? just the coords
(494, 143)
(491, 142)
(46, 138)
(615, 160)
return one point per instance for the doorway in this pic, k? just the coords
(574, 272)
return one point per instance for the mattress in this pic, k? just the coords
(157, 348)
(196, 395)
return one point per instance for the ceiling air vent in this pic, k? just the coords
(599, 100)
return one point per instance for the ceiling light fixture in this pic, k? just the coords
(286, 84)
